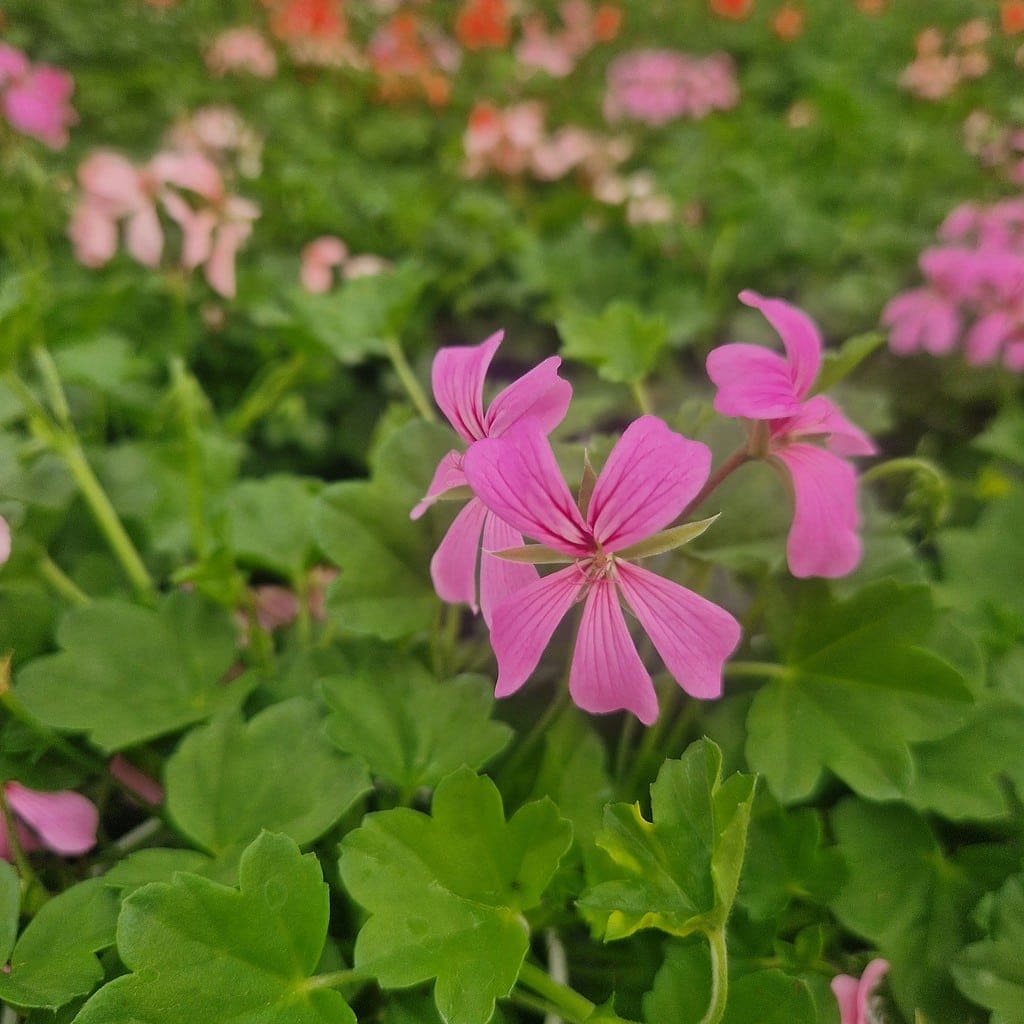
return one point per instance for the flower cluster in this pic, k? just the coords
(241, 50)
(936, 71)
(328, 254)
(997, 146)
(658, 86)
(652, 478)
(35, 98)
(315, 31)
(974, 290)
(411, 58)
(557, 51)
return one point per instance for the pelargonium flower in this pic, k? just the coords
(241, 49)
(5, 540)
(854, 995)
(772, 392)
(64, 822)
(458, 378)
(649, 478)
(35, 99)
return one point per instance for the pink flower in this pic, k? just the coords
(458, 379)
(649, 478)
(63, 822)
(854, 996)
(241, 49)
(136, 780)
(5, 540)
(762, 386)
(36, 100)
(319, 259)
(922, 319)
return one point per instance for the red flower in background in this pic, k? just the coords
(1011, 15)
(316, 31)
(483, 23)
(736, 10)
(410, 62)
(788, 22)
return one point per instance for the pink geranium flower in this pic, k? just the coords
(63, 822)
(36, 99)
(854, 995)
(5, 540)
(458, 379)
(771, 391)
(649, 478)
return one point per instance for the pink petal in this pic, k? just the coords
(651, 474)
(93, 234)
(798, 333)
(820, 416)
(448, 474)
(65, 822)
(922, 319)
(13, 63)
(540, 393)
(136, 780)
(752, 382)
(5, 540)
(988, 335)
(499, 578)
(517, 478)
(873, 974)
(844, 988)
(453, 567)
(693, 636)
(192, 171)
(607, 673)
(196, 229)
(144, 237)
(523, 625)
(458, 380)
(823, 539)
(220, 267)
(112, 178)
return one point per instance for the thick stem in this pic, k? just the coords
(335, 979)
(412, 386)
(568, 1002)
(726, 469)
(719, 977)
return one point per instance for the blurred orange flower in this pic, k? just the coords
(736, 10)
(482, 23)
(788, 22)
(1011, 14)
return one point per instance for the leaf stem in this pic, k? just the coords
(763, 669)
(336, 979)
(727, 468)
(569, 1003)
(61, 582)
(719, 976)
(536, 734)
(412, 386)
(265, 394)
(642, 396)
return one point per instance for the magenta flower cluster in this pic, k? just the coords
(36, 98)
(973, 294)
(651, 479)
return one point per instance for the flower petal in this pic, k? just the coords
(453, 567)
(820, 416)
(523, 625)
(499, 578)
(798, 333)
(823, 539)
(607, 673)
(540, 393)
(517, 478)
(5, 540)
(458, 381)
(144, 238)
(752, 381)
(447, 476)
(64, 821)
(693, 636)
(844, 988)
(650, 476)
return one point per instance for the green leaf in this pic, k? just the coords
(911, 901)
(200, 951)
(1005, 436)
(10, 903)
(268, 522)
(54, 960)
(155, 864)
(622, 344)
(857, 687)
(135, 673)
(991, 972)
(839, 363)
(225, 781)
(678, 874)
(446, 893)
(407, 727)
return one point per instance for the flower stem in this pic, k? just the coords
(642, 396)
(265, 395)
(761, 669)
(61, 582)
(719, 977)
(536, 734)
(412, 386)
(335, 979)
(569, 1003)
(726, 469)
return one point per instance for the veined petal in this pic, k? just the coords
(752, 381)
(65, 821)
(523, 624)
(453, 567)
(500, 579)
(457, 377)
(693, 636)
(823, 539)
(607, 673)
(517, 478)
(798, 333)
(651, 474)
(540, 393)
(821, 416)
(447, 476)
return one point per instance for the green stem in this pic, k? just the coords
(727, 468)
(643, 397)
(570, 1004)
(53, 386)
(530, 1002)
(13, 707)
(184, 395)
(625, 745)
(673, 744)
(536, 734)
(265, 395)
(651, 742)
(335, 979)
(412, 386)
(719, 977)
(61, 582)
(760, 669)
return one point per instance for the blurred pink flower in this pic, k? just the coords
(649, 478)
(5, 540)
(557, 52)
(36, 99)
(220, 134)
(136, 780)
(458, 380)
(319, 259)
(64, 822)
(854, 995)
(241, 49)
(763, 387)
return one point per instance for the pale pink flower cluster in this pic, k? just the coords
(558, 51)
(327, 257)
(244, 50)
(36, 98)
(1000, 147)
(220, 134)
(638, 195)
(658, 86)
(186, 187)
(651, 479)
(64, 822)
(973, 292)
(937, 70)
